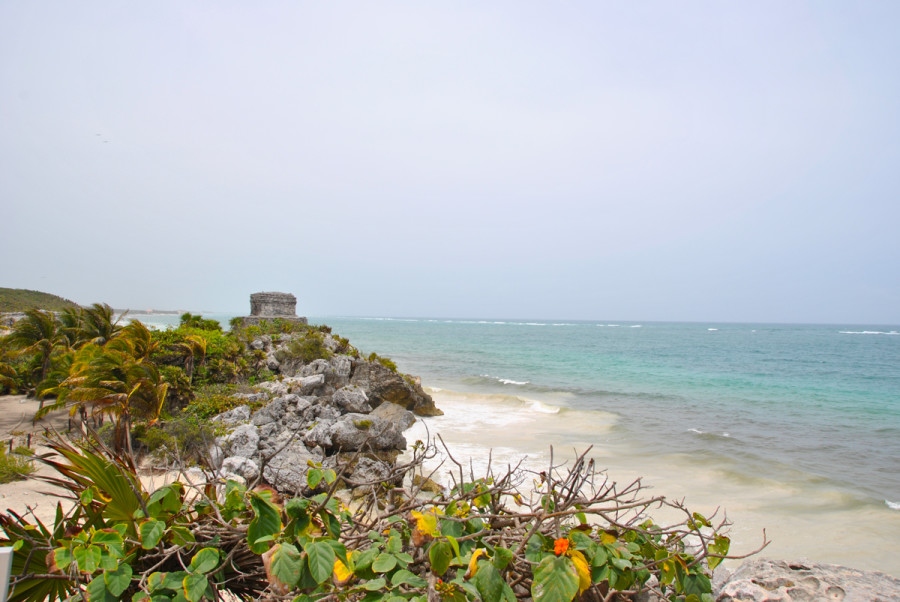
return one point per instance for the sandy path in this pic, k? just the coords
(16, 413)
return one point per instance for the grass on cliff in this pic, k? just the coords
(18, 299)
(14, 467)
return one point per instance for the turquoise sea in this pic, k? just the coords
(791, 428)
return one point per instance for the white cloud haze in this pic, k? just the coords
(660, 161)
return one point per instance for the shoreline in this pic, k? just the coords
(800, 520)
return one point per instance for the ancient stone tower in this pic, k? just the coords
(269, 306)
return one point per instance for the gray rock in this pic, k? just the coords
(268, 431)
(384, 385)
(395, 415)
(243, 441)
(319, 366)
(351, 399)
(308, 384)
(319, 435)
(764, 580)
(239, 465)
(360, 431)
(286, 471)
(341, 365)
(368, 471)
(234, 416)
(274, 411)
(258, 344)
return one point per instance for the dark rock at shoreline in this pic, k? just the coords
(383, 385)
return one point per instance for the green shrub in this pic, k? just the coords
(210, 400)
(387, 363)
(309, 348)
(185, 440)
(14, 467)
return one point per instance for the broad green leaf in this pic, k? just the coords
(195, 586)
(330, 476)
(719, 546)
(440, 554)
(287, 563)
(696, 584)
(107, 537)
(320, 557)
(375, 584)
(174, 581)
(266, 523)
(108, 562)
(140, 597)
(151, 531)
(97, 592)
(117, 581)
(555, 580)
(87, 557)
(204, 561)
(394, 544)
(489, 582)
(383, 563)
(502, 557)
(181, 535)
(63, 557)
(313, 477)
(403, 576)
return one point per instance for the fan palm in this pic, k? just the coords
(191, 348)
(37, 334)
(99, 324)
(112, 381)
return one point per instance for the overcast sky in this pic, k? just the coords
(733, 161)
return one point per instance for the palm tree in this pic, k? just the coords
(37, 334)
(191, 347)
(112, 381)
(98, 324)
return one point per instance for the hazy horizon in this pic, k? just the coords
(698, 162)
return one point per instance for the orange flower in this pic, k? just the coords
(560, 546)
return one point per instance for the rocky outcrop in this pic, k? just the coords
(764, 580)
(384, 385)
(279, 441)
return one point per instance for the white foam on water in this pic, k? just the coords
(892, 332)
(892, 505)
(712, 329)
(507, 381)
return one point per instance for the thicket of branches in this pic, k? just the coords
(552, 535)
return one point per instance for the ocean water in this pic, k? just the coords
(790, 428)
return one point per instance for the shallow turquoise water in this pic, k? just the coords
(818, 403)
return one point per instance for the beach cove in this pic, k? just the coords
(791, 429)
(794, 429)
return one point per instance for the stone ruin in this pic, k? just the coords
(271, 306)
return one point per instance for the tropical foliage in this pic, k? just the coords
(562, 533)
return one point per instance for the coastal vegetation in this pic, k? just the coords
(563, 533)
(18, 299)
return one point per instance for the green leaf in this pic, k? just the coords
(181, 535)
(266, 523)
(195, 586)
(107, 537)
(330, 476)
(174, 581)
(151, 532)
(97, 592)
(502, 557)
(719, 546)
(555, 580)
(383, 563)
(696, 584)
(313, 477)
(117, 581)
(394, 544)
(204, 561)
(404, 577)
(441, 555)
(287, 563)
(375, 584)
(88, 558)
(320, 557)
(489, 582)
(108, 562)
(63, 557)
